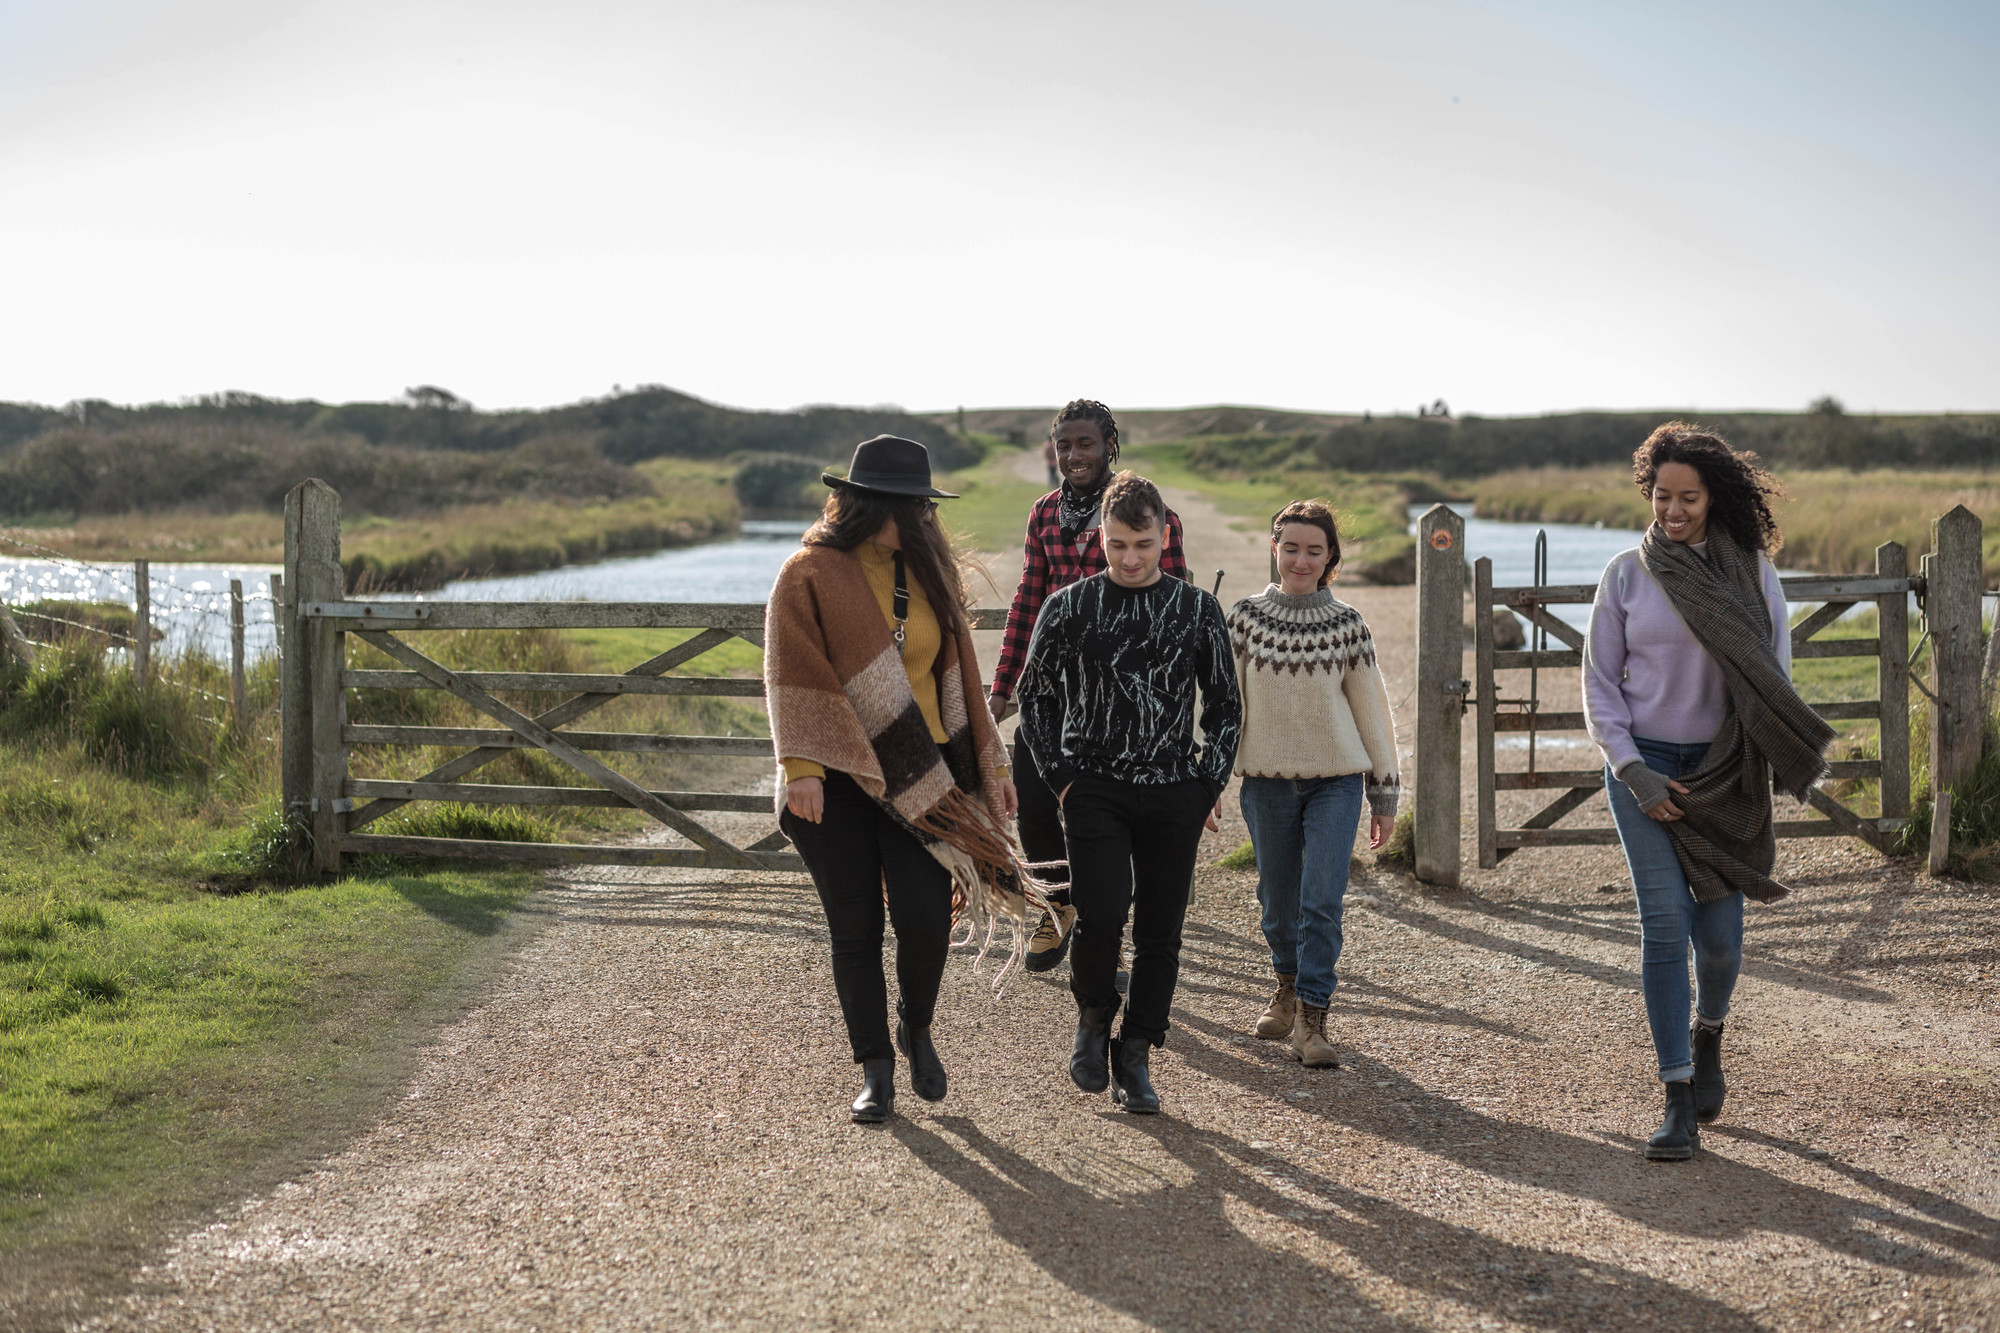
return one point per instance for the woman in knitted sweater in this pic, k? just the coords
(894, 789)
(1318, 738)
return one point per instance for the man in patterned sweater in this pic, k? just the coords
(1064, 544)
(1108, 713)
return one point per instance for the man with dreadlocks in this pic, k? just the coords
(1064, 544)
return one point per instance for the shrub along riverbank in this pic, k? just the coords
(685, 502)
(181, 1022)
(1832, 521)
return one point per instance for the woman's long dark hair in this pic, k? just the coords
(852, 516)
(1740, 491)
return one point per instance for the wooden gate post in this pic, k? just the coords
(309, 686)
(1441, 690)
(238, 705)
(142, 622)
(1952, 606)
(1892, 681)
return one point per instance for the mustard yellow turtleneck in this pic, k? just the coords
(921, 640)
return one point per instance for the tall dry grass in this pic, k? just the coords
(1832, 520)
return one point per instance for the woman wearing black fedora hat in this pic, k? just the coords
(893, 787)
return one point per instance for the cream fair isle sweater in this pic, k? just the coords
(1314, 705)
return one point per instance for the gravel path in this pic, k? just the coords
(644, 1127)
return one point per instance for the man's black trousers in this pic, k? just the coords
(1118, 831)
(1040, 819)
(854, 852)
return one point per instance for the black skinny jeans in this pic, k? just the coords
(1118, 830)
(1040, 819)
(854, 852)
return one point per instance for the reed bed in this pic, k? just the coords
(1832, 520)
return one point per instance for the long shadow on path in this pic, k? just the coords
(1167, 1252)
(1733, 1200)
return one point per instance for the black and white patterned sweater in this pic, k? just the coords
(1109, 685)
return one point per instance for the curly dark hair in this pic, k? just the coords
(1089, 409)
(1740, 491)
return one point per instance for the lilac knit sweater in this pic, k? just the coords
(1643, 672)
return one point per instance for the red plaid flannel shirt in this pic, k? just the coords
(1053, 564)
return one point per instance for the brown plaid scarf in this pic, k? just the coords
(1725, 840)
(838, 695)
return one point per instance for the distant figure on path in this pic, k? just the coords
(1687, 691)
(1063, 545)
(1049, 460)
(1318, 737)
(896, 783)
(1107, 707)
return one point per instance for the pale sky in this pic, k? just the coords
(1517, 206)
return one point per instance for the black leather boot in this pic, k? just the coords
(1709, 1088)
(1090, 1059)
(878, 1091)
(1678, 1135)
(926, 1070)
(1134, 1082)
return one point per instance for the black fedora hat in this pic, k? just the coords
(890, 465)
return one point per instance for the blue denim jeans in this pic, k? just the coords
(1671, 919)
(1303, 832)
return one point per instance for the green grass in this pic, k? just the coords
(695, 503)
(178, 1026)
(991, 513)
(164, 1046)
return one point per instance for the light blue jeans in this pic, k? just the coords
(1303, 833)
(1671, 919)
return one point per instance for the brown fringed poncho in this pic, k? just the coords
(838, 695)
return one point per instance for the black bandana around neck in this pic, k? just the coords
(1078, 513)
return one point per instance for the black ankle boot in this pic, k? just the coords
(1678, 1135)
(1134, 1090)
(878, 1091)
(1090, 1059)
(1709, 1088)
(926, 1070)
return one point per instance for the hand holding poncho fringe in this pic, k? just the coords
(838, 695)
(1725, 840)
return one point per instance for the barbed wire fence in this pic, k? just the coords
(206, 624)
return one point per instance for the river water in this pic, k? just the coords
(191, 602)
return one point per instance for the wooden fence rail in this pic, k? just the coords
(316, 617)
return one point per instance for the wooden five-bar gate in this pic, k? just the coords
(316, 619)
(1948, 591)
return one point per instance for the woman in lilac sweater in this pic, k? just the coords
(1654, 699)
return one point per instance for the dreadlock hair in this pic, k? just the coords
(1134, 501)
(853, 515)
(1740, 491)
(1320, 515)
(1089, 409)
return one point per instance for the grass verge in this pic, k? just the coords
(176, 1033)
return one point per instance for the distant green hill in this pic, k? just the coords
(237, 451)
(1236, 438)
(1473, 446)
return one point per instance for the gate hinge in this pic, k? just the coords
(342, 805)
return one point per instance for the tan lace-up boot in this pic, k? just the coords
(1309, 1044)
(1276, 1024)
